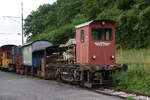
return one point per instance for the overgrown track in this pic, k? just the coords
(128, 93)
(133, 92)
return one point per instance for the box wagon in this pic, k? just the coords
(31, 58)
(0, 57)
(16, 58)
(6, 52)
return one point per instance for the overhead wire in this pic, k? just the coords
(13, 18)
(10, 33)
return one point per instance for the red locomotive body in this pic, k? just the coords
(96, 42)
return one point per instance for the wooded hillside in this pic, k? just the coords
(57, 22)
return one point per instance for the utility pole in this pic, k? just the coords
(22, 22)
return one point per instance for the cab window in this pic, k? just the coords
(102, 34)
(82, 36)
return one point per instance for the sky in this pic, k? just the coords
(10, 28)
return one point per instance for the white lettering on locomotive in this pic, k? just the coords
(102, 44)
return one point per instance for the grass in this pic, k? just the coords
(137, 77)
(133, 56)
(129, 98)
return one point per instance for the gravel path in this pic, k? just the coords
(17, 87)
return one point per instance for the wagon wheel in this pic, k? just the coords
(81, 82)
(58, 74)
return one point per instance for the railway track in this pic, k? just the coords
(124, 94)
(121, 93)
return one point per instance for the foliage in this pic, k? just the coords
(111, 14)
(124, 4)
(90, 8)
(59, 35)
(78, 19)
(137, 77)
(132, 17)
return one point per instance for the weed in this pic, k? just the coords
(129, 98)
(31, 77)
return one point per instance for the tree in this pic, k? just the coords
(57, 22)
(34, 23)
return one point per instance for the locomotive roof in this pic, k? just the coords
(88, 23)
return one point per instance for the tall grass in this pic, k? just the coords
(137, 77)
(133, 56)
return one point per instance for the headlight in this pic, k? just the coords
(94, 57)
(112, 57)
(103, 22)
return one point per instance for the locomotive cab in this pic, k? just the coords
(96, 42)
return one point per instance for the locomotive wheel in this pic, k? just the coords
(81, 83)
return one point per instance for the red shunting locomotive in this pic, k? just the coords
(90, 58)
